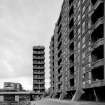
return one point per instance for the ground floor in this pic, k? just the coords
(87, 94)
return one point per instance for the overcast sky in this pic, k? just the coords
(24, 23)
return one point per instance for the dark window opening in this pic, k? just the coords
(71, 11)
(59, 78)
(71, 35)
(59, 70)
(60, 52)
(71, 47)
(93, 1)
(98, 53)
(59, 62)
(59, 37)
(72, 82)
(59, 86)
(98, 13)
(98, 73)
(38, 60)
(59, 46)
(38, 55)
(59, 28)
(72, 70)
(70, 1)
(71, 23)
(59, 20)
(72, 58)
(97, 33)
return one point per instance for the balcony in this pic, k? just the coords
(38, 62)
(71, 35)
(70, 2)
(59, 62)
(71, 23)
(98, 73)
(38, 67)
(71, 11)
(93, 2)
(39, 52)
(38, 77)
(97, 14)
(72, 70)
(59, 45)
(59, 53)
(59, 28)
(39, 72)
(72, 82)
(97, 33)
(59, 37)
(38, 57)
(97, 53)
(59, 70)
(71, 47)
(59, 20)
(71, 59)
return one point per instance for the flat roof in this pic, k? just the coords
(17, 93)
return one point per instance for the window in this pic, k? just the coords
(78, 23)
(79, 3)
(83, 1)
(83, 40)
(79, 30)
(78, 17)
(83, 16)
(89, 9)
(78, 58)
(78, 45)
(83, 27)
(90, 58)
(83, 10)
(83, 69)
(84, 45)
(89, 75)
(89, 25)
(83, 55)
(79, 36)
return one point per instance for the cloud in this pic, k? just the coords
(24, 23)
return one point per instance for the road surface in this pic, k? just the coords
(62, 102)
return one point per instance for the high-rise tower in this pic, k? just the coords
(39, 71)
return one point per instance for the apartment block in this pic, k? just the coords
(39, 71)
(79, 50)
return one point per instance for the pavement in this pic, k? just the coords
(63, 102)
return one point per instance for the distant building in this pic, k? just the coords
(16, 96)
(13, 92)
(39, 71)
(12, 86)
(77, 50)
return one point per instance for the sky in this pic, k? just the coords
(23, 24)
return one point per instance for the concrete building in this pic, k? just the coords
(10, 86)
(39, 71)
(78, 50)
(14, 93)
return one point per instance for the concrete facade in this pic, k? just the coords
(78, 51)
(39, 71)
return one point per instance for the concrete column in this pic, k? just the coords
(17, 98)
(1, 98)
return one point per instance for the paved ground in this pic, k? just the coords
(63, 102)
